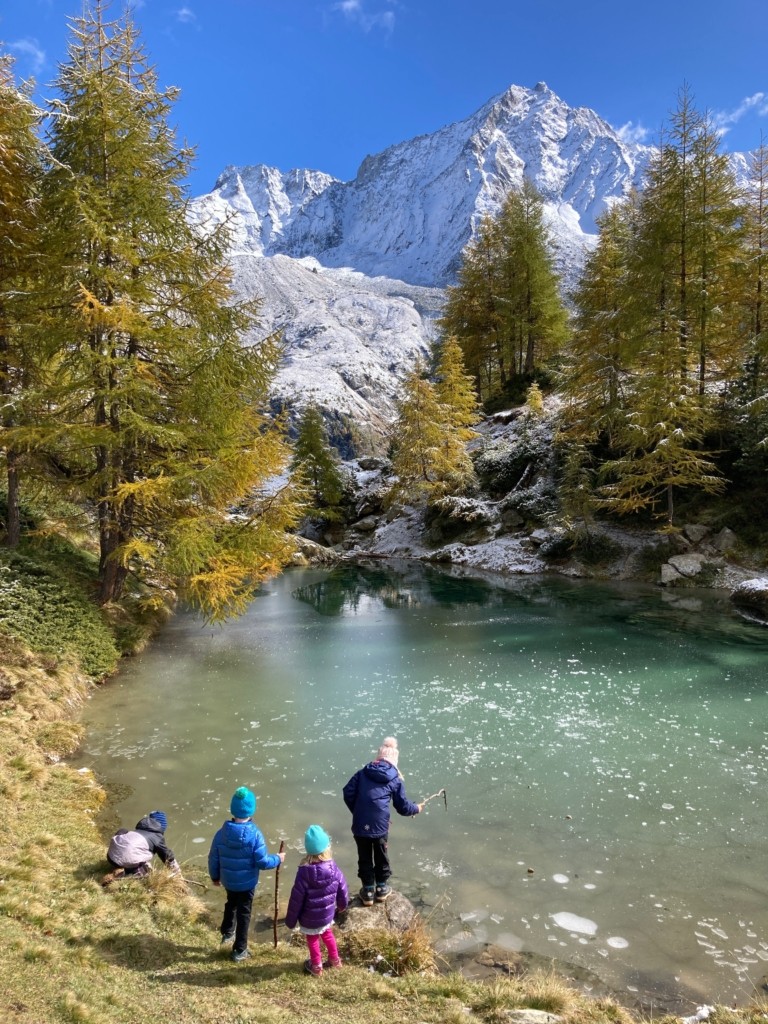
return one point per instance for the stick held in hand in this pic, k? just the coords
(440, 792)
(277, 894)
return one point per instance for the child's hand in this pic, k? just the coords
(282, 857)
(421, 806)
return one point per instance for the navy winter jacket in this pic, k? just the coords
(238, 852)
(368, 794)
(318, 892)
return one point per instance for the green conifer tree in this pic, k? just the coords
(318, 465)
(755, 277)
(20, 174)
(505, 310)
(157, 418)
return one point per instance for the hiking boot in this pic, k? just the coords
(382, 892)
(242, 954)
(229, 937)
(310, 968)
(367, 895)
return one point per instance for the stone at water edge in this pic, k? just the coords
(396, 913)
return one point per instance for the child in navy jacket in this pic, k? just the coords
(368, 795)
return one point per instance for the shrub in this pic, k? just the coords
(52, 615)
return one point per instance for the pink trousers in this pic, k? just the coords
(315, 954)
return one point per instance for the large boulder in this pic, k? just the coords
(396, 913)
(751, 596)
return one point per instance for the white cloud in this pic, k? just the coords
(185, 15)
(725, 119)
(32, 51)
(630, 132)
(356, 11)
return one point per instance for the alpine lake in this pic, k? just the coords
(603, 749)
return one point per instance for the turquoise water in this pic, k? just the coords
(603, 749)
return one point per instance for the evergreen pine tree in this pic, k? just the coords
(158, 415)
(316, 462)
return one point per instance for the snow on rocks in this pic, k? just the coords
(751, 598)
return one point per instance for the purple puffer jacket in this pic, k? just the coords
(318, 892)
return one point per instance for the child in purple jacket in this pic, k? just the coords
(319, 891)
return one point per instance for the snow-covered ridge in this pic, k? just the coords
(352, 272)
(411, 209)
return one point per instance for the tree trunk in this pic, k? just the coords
(13, 519)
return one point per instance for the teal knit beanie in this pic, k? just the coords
(316, 840)
(243, 803)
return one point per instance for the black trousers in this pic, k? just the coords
(372, 860)
(237, 917)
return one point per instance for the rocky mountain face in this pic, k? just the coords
(352, 272)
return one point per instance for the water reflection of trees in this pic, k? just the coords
(405, 585)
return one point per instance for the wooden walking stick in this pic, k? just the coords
(277, 893)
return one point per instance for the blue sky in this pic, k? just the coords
(323, 83)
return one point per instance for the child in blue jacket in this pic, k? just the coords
(238, 852)
(368, 795)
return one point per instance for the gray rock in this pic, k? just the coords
(395, 914)
(531, 1017)
(725, 540)
(367, 525)
(538, 537)
(309, 553)
(669, 575)
(695, 532)
(689, 564)
(371, 462)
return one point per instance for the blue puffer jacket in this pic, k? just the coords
(318, 892)
(368, 794)
(238, 852)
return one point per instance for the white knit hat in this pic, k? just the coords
(388, 750)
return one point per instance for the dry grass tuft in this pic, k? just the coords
(396, 953)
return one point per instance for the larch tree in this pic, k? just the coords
(679, 316)
(455, 389)
(474, 312)
(755, 278)
(505, 309)
(158, 418)
(20, 176)
(429, 455)
(317, 465)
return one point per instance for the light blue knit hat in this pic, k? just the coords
(316, 840)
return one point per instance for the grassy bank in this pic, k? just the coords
(74, 951)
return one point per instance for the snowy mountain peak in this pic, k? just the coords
(351, 272)
(412, 208)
